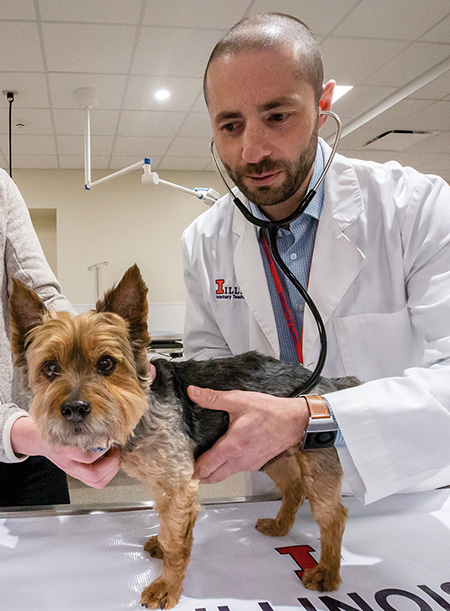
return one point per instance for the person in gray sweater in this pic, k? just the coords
(31, 471)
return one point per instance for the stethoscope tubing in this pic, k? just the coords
(272, 229)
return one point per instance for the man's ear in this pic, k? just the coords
(26, 311)
(129, 300)
(326, 100)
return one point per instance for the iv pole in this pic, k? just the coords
(86, 98)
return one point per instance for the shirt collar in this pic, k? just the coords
(315, 206)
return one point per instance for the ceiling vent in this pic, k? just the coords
(396, 139)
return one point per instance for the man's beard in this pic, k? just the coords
(296, 173)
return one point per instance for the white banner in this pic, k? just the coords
(395, 557)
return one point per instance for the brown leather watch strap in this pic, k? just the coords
(318, 407)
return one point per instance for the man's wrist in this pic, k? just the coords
(13, 436)
(321, 429)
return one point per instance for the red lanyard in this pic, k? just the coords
(282, 297)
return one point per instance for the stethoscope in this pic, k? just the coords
(272, 229)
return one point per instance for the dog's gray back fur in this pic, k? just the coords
(249, 371)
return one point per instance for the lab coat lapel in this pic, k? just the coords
(336, 259)
(252, 281)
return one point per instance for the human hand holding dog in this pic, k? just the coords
(93, 468)
(261, 427)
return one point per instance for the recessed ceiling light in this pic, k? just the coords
(340, 90)
(162, 94)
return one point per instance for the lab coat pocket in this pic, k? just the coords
(376, 345)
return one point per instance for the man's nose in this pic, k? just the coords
(75, 411)
(255, 145)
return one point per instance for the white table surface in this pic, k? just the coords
(395, 556)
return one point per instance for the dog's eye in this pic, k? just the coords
(50, 370)
(106, 365)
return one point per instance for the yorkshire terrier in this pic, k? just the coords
(90, 387)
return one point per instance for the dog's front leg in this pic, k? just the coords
(177, 511)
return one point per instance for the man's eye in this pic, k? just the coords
(106, 365)
(279, 117)
(228, 127)
(50, 370)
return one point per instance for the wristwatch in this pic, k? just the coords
(322, 429)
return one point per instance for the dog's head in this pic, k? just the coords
(88, 374)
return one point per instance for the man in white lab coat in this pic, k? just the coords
(375, 251)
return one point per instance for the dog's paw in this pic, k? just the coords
(153, 548)
(271, 527)
(320, 579)
(158, 595)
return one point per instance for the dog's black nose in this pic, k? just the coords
(75, 411)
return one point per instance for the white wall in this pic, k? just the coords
(44, 221)
(122, 222)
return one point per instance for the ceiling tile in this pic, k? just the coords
(195, 14)
(386, 19)
(321, 16)
(200, 104)
(396, 140)
(141, 93)
(186, 147)
(440, 166)
(355, 140)
(74, 145)
(410, 64)
(140, 146)
(197, 124)
(435, 117)
(439, 143)
(150, 123)
(20, 49)
(30, 145)
(377, 156)
(359, 99)
(92, 48)
(163, 51)
(416, 160)
(184, 163)
(103, 122)
(211, 167)
(11, 9)
(91, 44)
(350, 60)
(118, 162)
(400, 116)
(435, 90)
(31, 88)
(98, 162)
(35, 121)
(39, 162)
(102, 11)
(110, 89)
(440, 33)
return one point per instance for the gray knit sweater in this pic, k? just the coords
(24, 259)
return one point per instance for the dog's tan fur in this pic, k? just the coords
(163, 459)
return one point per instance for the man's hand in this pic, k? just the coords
(95, 469)
(261, 427)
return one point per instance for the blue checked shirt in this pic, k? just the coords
(295, 245)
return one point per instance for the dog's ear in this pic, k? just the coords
(26, 312)
(129, 300)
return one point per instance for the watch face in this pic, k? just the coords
(319, 439)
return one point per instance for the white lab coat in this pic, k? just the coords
(380, 277)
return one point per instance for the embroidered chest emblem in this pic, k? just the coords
(227, 291)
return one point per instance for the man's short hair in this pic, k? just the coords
(267, 30)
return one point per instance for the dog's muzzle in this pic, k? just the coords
(75, 411)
